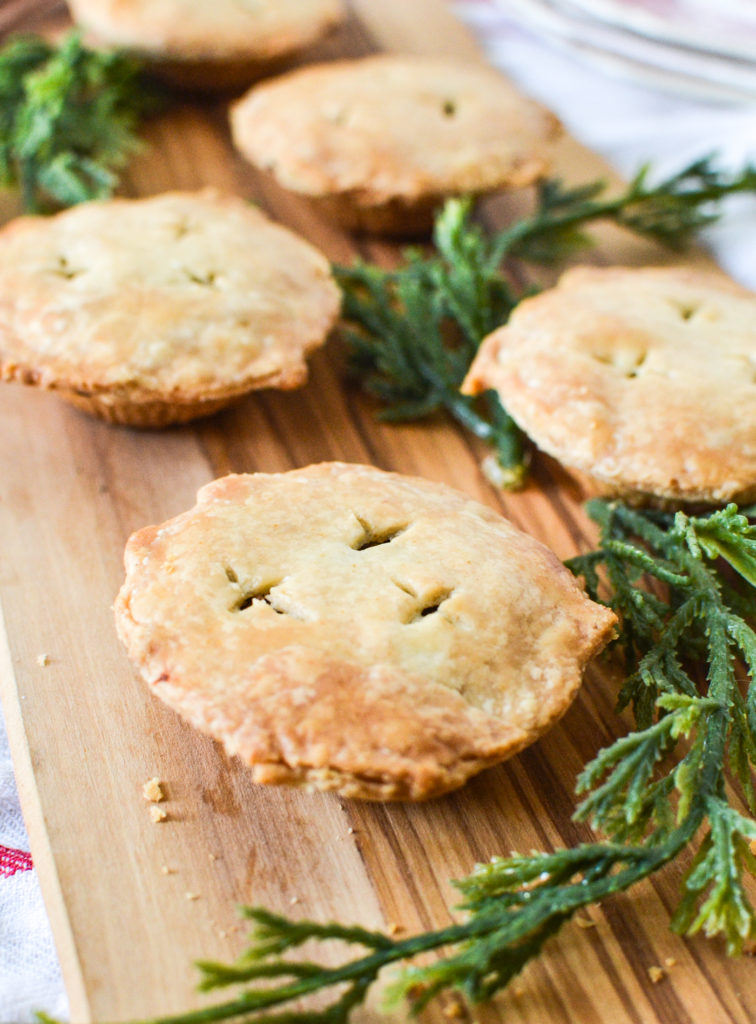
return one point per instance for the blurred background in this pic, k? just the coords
(659, 81)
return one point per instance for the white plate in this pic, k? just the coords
(636, 54)
(723, 27)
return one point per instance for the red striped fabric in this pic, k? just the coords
(12, 861)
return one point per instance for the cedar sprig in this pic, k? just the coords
(69, 117)
(671, 211)
(413, 331)
(657, 794)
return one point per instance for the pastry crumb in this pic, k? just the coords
(454, 1010)
(584, 922)
(656, 974)
(153, 791)
(43, 659)
(213, 857)
(158, 814)
(670, 962)
(518, 991)
(352, 831)
(752, 847)
(293, 900)
(165, 870)
(394, 928)
(192, 895)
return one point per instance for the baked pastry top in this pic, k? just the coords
(199, 30)
(644, 379)
(390, 128)
(162, 309)
(345, 628)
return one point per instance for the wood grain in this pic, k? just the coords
(86, 735)
(26, 15)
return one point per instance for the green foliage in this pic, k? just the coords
(656, 794)
(68, 119)
(703, 613)
(670, 211)
(414, 331)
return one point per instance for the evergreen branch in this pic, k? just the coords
(671, 211)
(68, 119)
(413, 333)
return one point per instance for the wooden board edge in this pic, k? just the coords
(39, 841)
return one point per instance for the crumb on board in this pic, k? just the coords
(192, 895)
(43, 659)
(752, 847)
(394, 928)
(670, 962)
(454, 1010)
(213, 857)
(585, 922)
(656, 974)
(158, 814)
(293, 900)
(153, 791)
(165, 870)
(518, 991)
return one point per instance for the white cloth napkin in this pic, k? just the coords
(29, 974)
(627, 124)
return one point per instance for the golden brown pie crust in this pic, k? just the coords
(214, 46)
(643, 379)
(340, 627)
(378, 143)
(155, 311)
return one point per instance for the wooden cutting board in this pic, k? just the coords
(133, 903)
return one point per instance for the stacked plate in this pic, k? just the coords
(706, 48)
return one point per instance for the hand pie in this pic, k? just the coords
(339, 627)
(208, 46)
(156, 311)
(378, 143)
(644, 379)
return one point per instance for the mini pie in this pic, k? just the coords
(156, 311)
(644, 379)
(340, 627)
(378, 143)
(204, 45)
